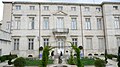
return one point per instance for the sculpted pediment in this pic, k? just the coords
(60, 13)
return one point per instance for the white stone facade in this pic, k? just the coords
(35, 24)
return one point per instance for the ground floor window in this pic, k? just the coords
(16, 44)
(0, 52)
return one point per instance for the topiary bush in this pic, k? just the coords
(19, 62)
(99, 63)
(71, 59)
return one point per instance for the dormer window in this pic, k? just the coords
(60, 8)
(115, 7)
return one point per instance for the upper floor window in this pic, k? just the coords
(74, 23)
(18, 7)
(60, 8)
(88, 23)
(46, 7)
(98, 9)
(45, 41)
(60, 23)
(32, 7)
(73, 8)
(16, 43)
(115, 7)
(46, 23)
(117, 22)
(30, 43)
(75, 41)
(8, 26)
(16, 24)
(99, 24)
(31, 23)
(87, 9)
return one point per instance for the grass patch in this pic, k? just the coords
(87, 61)
(30, 62)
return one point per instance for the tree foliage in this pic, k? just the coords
(45, 56)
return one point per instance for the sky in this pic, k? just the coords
(71, 1)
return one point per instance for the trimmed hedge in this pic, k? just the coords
(99, 63)
(7, 57)
(19, 62)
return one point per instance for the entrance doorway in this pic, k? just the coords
(60, 46)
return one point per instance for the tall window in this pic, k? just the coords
(16, 24)
(89, 43)
(117, 22)
(60, 8)
(101, 43)
(74, 23)
(32, 7)
(16, 44)
(18, 7)
(60, 43)
(60, 23)
(118, 41)
(46, 41)
(0, 52)
(8, 26)
(31, 23)
(30, 43)
(75, 41)
(87, 9)
(99, 24)
(88, 23)
(73, 8)
(46, 7)
(46, 23)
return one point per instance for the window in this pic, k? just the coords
(46, 23)
(46, 42)
(89, 43)
(99, 24)
(60, 8)
(60, 23)
(115, 7)
(8, 26)
(98, 9)
(31, 23)
(32, 7)
(101, 43)
(87, 9)
(16, 24)
(74, 23)
(88, 23)
(60, 43)
(30, 43)
(18, 7)
(116, 23)
(74, 41)
(0, 52)
(73, 8)
(118, 41)
(46, 7)
(16, 44)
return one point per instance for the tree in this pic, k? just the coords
(45, 56)
(77, 50)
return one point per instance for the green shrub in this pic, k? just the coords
(71, 59)
(99, 63)
(110, 56)
(3, 58)
(19, 62)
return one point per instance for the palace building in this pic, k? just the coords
(95, 27)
